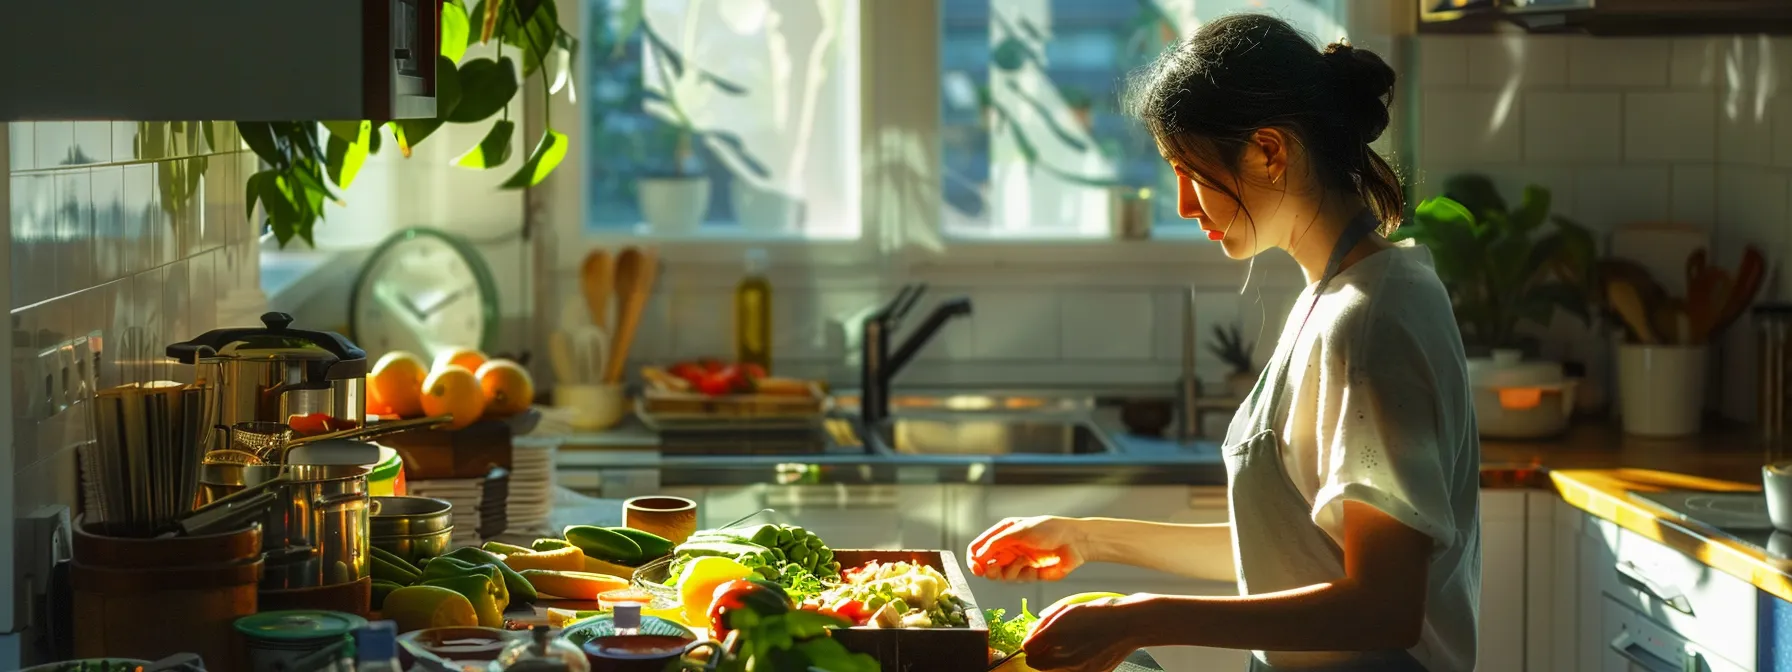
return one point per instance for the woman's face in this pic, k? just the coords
(1258, 183)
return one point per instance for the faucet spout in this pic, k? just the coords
(878, 366)
(941, 314)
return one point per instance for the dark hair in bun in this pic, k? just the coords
(1207, 94)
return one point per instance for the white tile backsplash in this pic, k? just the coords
(1009, 324)
(1619, 62)
(1443, 61)
(1472, 125)
(55, 143)
(1106, 324)
(1573, 126)
(1695, 194)
(1696, 62)
(1670, 126)
(1526, 61)
(1608, 195)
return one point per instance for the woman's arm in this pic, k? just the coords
(1196, 551)
(1378, 605)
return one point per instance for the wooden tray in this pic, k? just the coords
(670, 409)
(921, 649)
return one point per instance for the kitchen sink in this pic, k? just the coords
(952, 402)
(991, 436)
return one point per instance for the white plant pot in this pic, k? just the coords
(765, 211)
(1661, 389)
(673, 205)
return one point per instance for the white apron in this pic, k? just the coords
(1276, 544)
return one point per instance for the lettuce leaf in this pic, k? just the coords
(1006, 635)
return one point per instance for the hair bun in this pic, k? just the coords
(1366, 86)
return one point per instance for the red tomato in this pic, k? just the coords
(715, 385)
(752, 371)
(309, 424)
(711, 364)
(760, 598)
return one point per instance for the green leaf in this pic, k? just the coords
(629, 19)
(1475, 192)
(210, 135)
(1010, 54)
(260, 136)
(486, 86)
(541, 162)
(455, 31)
(253, 191)
(276, 197)
(346, 156)
(413, 131)
(492, 151)
(534, 36)
(1440, 212)
(347, 130)
(1533, 209)
(373, 140)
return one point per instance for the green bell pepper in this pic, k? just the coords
(445, 567)
(519, 588)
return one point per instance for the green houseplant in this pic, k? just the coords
(305, 167)
(1505, 267)
(1230, 347)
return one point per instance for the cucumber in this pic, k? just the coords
(541, 545)
(380, 590)
(604, 544)
(393, 558)
(385, 570)
(652, 545)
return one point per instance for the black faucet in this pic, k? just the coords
(877, 365)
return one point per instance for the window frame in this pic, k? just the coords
(898, 72)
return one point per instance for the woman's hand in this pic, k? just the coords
(1088, 637)
(1026, 549)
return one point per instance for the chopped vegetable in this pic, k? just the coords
(1006, 636)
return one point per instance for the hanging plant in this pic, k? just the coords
(303, 164)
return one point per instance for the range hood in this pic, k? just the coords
(1611, 17)
(237, 60)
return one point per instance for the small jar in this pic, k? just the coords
(541, 653)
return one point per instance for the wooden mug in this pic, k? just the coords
(674, 518)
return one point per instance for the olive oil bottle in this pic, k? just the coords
(753, 313)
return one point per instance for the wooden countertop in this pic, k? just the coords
(1596, 467)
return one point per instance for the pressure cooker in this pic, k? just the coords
(274, 372)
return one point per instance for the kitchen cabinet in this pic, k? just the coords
(1502, 622)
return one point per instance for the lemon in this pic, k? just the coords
(418, 607)
(697, 584)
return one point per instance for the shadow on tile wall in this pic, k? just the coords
(125, 236)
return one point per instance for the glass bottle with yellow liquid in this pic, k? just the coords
(753, 313)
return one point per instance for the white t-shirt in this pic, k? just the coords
(1378, 411)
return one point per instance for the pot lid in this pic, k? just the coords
(1507, 368)
(276, 340)
(298, 625)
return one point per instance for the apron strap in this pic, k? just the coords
(1354, 232)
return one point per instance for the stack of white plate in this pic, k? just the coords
(466, 494)
(531, 487)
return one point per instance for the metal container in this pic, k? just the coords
(416, 547)
(408, 516)
(1773, 327)
(278, 640)
(275, 372)
(318, 534)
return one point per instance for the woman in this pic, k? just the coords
(1353, 465)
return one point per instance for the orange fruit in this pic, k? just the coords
(453, 391)
(396, 384)
(508, 388)
(464, 357)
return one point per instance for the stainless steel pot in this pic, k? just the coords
(317, 534)
(414, 548)
(274, 372)
(405, 516)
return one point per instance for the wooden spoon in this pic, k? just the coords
(596, 276)
(636, 270)
(1705, 298)
(1742, 291)
(1625, 301)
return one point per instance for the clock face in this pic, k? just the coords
(421, 294)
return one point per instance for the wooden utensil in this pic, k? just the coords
(1695, 264)
(1624, 300)
(1706, 293)
(636, 270)
(560, 353)
(1668, 318)
(596, 277)
(1742, 291)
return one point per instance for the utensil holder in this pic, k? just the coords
(1661, 389)
(150, 598)
(674, 518)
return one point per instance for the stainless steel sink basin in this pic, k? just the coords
(991, 436)
(953, 402)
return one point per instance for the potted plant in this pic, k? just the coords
(1229, 345)
(674, 195)
(1507, 269)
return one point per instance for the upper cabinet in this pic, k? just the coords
(1610, 17)
(219, 59)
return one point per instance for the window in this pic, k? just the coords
(1033, 139)
(729, 118)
